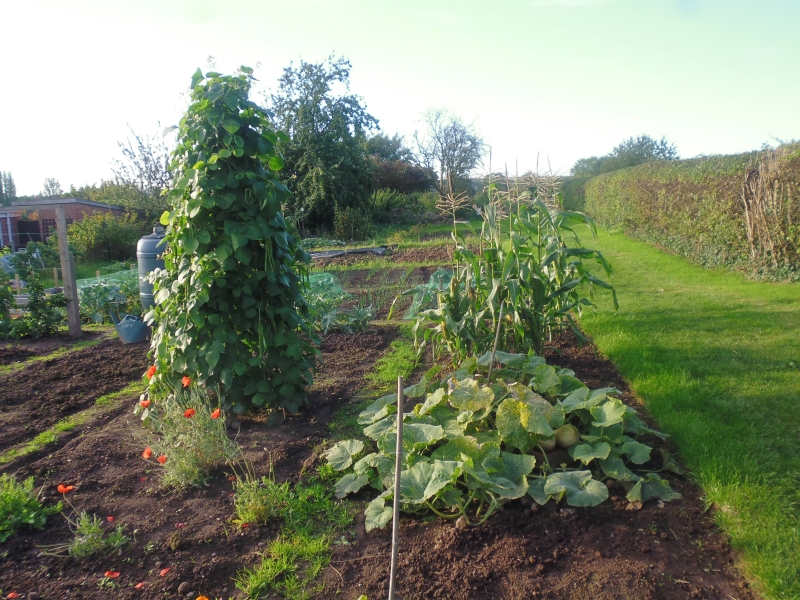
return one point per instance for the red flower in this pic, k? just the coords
(245, 525)
(63, 489)
(110, 519)
(190, 412)
(13, 595)
(216, 414)
(140, 585)
(186, 381)
(145, 403)
(162, 459)
(111, 574)
(148, 452)
(163, 572)
(180, 525)
(150, 372)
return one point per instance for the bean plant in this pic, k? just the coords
(470, 444)
(524, 283)
(229, 310)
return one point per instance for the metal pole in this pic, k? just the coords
(68, 275)
(397, 468)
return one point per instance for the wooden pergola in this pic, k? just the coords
(67, 263)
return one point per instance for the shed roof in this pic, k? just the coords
(38, 203)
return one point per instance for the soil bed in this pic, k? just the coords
(524, 551)
(20, 350)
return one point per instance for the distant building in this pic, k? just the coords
(17, 228)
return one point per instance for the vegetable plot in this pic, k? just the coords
(469, 446)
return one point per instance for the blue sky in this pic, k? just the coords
(558, 79)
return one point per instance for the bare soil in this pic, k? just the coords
(524, 551)
(21, 350)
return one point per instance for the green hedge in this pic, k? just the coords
(695, 208)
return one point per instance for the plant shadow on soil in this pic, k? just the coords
(524, 551)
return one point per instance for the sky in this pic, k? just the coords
(553, 80)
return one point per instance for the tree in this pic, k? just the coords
(394, 166)
(325, 161)
(8, 190)
(52, 187)
(631, 152)
(144, 166)
(448, 151)
(381, 147)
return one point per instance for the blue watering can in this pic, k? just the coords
(130, 329)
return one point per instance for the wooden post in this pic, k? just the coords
(55, 277)
(97, 274)
(68, 275)
(17, 284)
(397, 469)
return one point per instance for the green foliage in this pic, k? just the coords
(352, 223)
(696, 208)
(126, 194)
(310, 517)
(20, 507)
(469, 447)
(89, 538)
(229, 310)
(40, 317)
(193, 444)
(119, 295)
(259, 501)
(8, 190)
(106, 237)
(394, 208)
(326, 163)
(522, 285)
(631, 152)
(35, 255)
(573, 193)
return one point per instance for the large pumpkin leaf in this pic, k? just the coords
(638, 453)
(414, 481)
(377, 513)
(416, 436)
(546, 380)
(505, 475)
(588, 452)
(447, 418)
(469, 395)
(511, 414)
(457, 448)
(379, 409)
(614, 467)
(652, 487)
(433, 400)
(608, 413)
(352, 482)
(340, 456)
(536, 490)
(578, 487)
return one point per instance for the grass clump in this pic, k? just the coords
(401, 359)
(89, 538)
(20, 507)
(310, 515)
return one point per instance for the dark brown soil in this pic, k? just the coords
(33, 399)
(557, 552)
(23, 349)
(431, 255)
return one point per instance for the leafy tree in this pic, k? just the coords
(326, 164)
(144, 168)
(8, 190)
(381, 147)
(52, 187)
(128, 195)
(631, 152)
(394, 167)
(448, 150)
(229, 311)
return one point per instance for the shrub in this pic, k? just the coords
(104, 236)
(20, 507)
(391, 207)
(485, 436)
(229, 307)
(354, 224)
(120, 295)
(737, 210)
(41, 316)
(35, 256)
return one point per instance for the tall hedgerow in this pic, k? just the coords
(229, 310)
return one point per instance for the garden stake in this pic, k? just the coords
(397, 460)
(496, 339)
(55, 277)
(17, 284)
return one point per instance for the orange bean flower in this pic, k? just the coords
(111, 574)
(150, 372)
(186, 381)
(148, 452)
(145, 403)
(63, 489)
(162, 459)
(163, 572)
(190, 412)
(216, 414)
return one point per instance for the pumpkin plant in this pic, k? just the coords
(470, 445)
(229, 311)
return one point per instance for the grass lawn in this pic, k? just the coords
(716, 358)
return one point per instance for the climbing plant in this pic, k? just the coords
(229, 312)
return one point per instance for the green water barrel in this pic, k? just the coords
(148, 257)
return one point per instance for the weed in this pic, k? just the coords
(89, 538)
(20, 507)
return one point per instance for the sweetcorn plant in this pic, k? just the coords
(469, 446)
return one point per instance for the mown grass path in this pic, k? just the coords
(716, 359)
